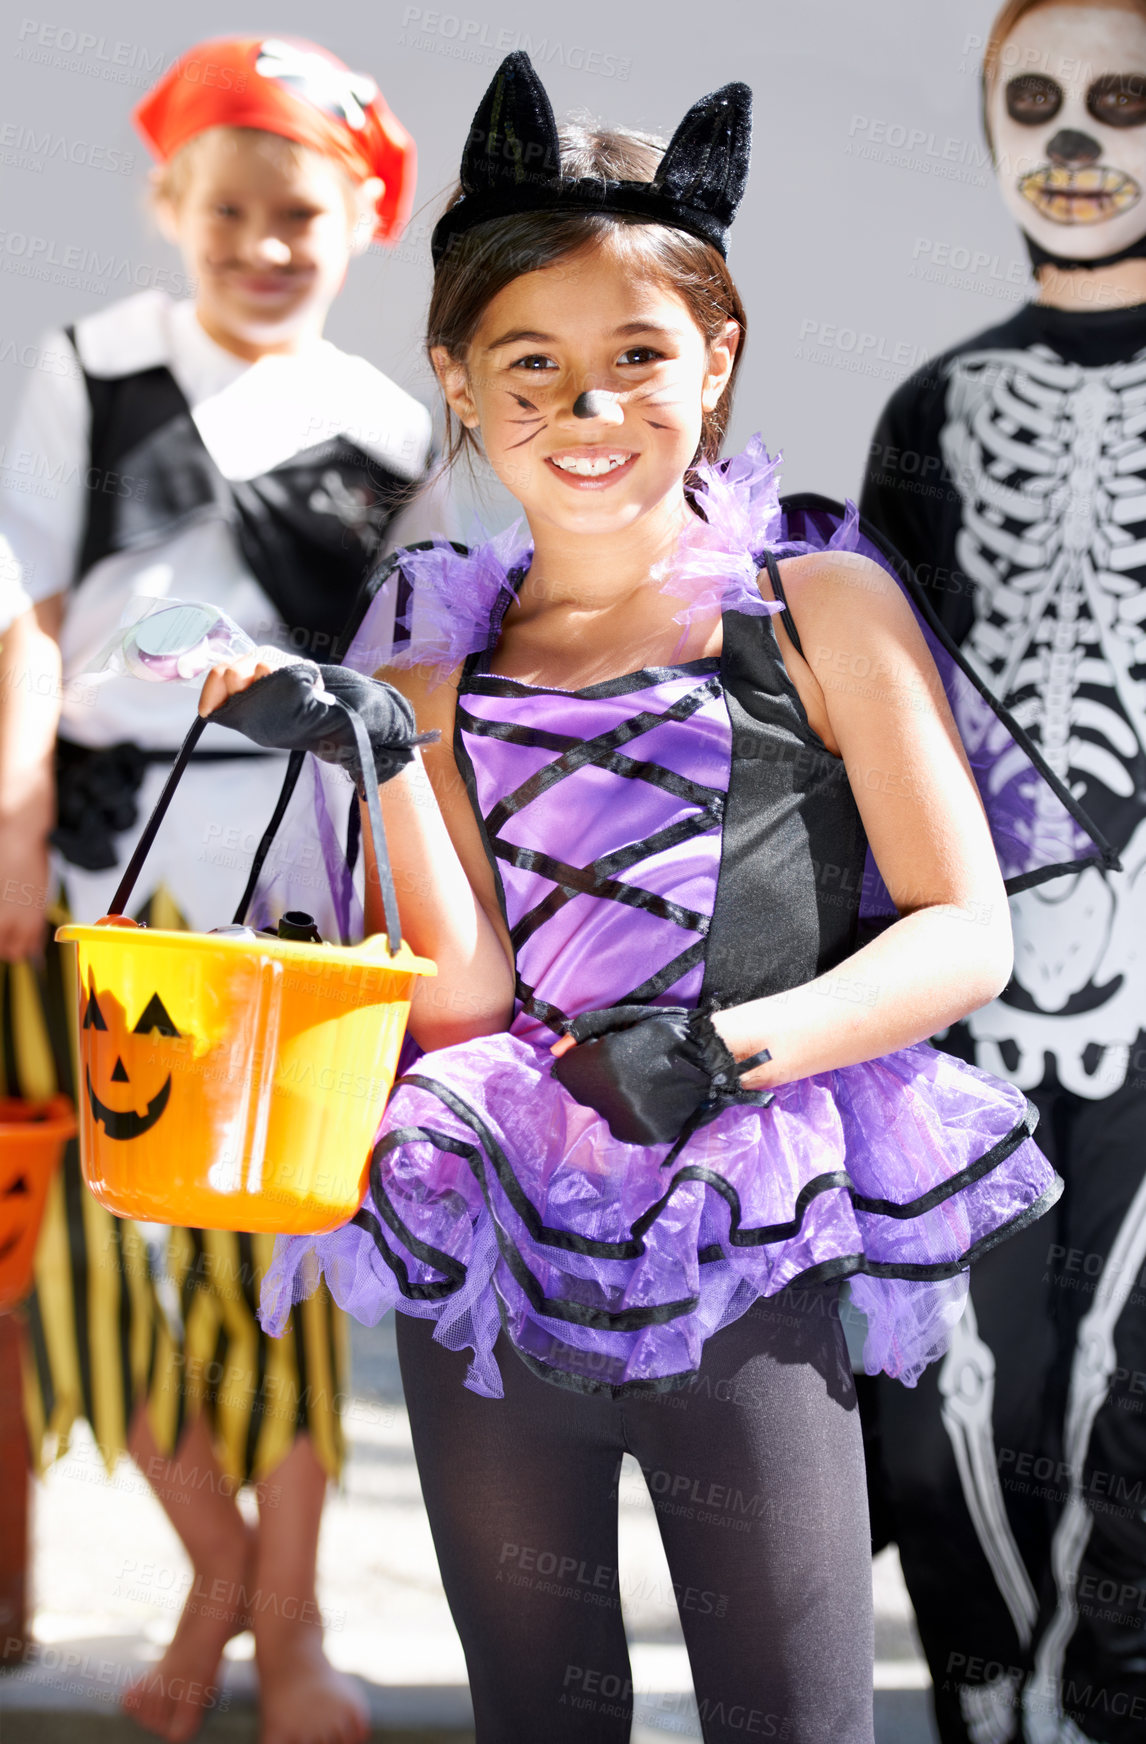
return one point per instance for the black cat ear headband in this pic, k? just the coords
(512, 163)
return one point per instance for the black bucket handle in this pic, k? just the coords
(150, 829)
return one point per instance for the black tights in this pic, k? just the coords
(756, 1475)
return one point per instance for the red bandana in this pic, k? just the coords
(292, 87)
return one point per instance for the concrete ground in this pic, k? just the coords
(109, 1578)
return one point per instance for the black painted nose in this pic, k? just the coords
(1072, 150)
(119, 1076)
(593, 403)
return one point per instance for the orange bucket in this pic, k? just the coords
(234, 1083)
(32, 1140)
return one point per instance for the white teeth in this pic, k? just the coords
(586, 467)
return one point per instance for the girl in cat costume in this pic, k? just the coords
(702, 862)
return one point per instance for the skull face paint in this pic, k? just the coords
(1067, 119)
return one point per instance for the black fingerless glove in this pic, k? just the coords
(303, 707)
(652, 1070)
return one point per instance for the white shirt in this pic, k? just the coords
(251, 417)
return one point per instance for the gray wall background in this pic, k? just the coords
(871, 235)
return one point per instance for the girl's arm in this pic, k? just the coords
(872, 693)
(447, 897)
(446, 893)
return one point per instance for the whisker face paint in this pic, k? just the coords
(537, 419)
(653, 401)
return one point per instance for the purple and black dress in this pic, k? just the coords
(677, 836)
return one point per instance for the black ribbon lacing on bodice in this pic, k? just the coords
(601, 877)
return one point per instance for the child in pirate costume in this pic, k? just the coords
(1011, 472)
(667, 1102)
(218, 449)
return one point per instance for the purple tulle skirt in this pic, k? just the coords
(496, 1201)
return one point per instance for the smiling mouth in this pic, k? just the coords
(128, 1124)
(1080, 196)
(590, 465)
(265, 284)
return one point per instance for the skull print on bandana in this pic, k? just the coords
(314, 76)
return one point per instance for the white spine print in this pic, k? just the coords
(1050, 461)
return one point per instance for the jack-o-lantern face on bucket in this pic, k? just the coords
(15, 1198)
(233, 1083)
(32, 1139)
(145, 1105)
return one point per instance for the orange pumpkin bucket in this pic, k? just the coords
(235, 1080)
(32, 1140)
(234, 1083)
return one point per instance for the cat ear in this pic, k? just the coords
(706, 164)
(512, 164)
(513, 138)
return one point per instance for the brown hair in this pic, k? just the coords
(1005, 21)
(485, 259)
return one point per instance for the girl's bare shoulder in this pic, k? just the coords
(839, 577)
(833, 595)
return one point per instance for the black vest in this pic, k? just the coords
(308, 529)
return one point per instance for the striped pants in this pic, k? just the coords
(123, 1313)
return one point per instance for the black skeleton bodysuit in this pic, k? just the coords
(1011, 472)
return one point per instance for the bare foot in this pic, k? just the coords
(302, 1699)
(173, 1698)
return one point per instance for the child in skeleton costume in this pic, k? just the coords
(219, 449)
(1012, 473)
(665, 1103)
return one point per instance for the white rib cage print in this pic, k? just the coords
(1049, 458)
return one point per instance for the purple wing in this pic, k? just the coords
(1039, 829)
